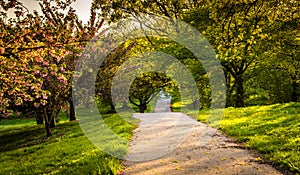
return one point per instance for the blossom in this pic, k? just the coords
(43, 102)
(39, 59)
(61, 69)
(45, 97)
(46, 63)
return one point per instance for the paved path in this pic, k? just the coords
(173, 143)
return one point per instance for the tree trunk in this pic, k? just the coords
(229, 89)
(72, 111)
(143, 107)
(39, 119)
(239, 91)
(51, 118)
(48, 131)
(72, 106)
(295, 93)
(57, 115)
(112, 106)
(67, 112)
(47, 125)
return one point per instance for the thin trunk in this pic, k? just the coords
(47, 125)
(72, 111)
(295, 93)
(51, 118)
(39, 119)
(228, 89)
(72, 106)
(239, 91)
(48, 131)
(112, 106)
(67, 112)
(57, 115)
(143, 107)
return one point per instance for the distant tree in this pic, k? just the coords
(107, 71)
(145, 87)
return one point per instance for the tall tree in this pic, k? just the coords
(240, 29)
(284, 55)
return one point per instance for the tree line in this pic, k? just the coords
(257, 43)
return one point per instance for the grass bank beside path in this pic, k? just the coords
(272, 130)
(25, 149)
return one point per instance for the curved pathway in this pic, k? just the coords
(174, 144)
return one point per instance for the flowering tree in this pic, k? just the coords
(38, 54)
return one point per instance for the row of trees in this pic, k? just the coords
(257, 43)
(38, 54)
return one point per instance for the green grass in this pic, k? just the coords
(25, 149)
(272, 130)
(16, 122)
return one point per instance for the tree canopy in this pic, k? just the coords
(256, 42)
(240, 31)
(38, 54)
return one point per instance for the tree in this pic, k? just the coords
(244, 28)
(145, 87)
(117, 9)
(38, 55)
(280, 63)
(107, 71)
(288, 53)
(236, 29)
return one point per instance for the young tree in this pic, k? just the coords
(145, 87)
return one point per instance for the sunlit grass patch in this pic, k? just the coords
(273, 130)
(25, 149)
(15, 122)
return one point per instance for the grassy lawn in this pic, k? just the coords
(24, 148)
(272, 130)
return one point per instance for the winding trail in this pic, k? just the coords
(175, 144)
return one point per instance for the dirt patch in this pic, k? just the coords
(173, 143)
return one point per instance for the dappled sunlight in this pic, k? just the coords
(272, 130)
(68, 151)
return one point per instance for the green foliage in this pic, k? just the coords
(242, 33)
(117, 9)
(25, 149)
(271, 130)
(278, 89)
(145, 87)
